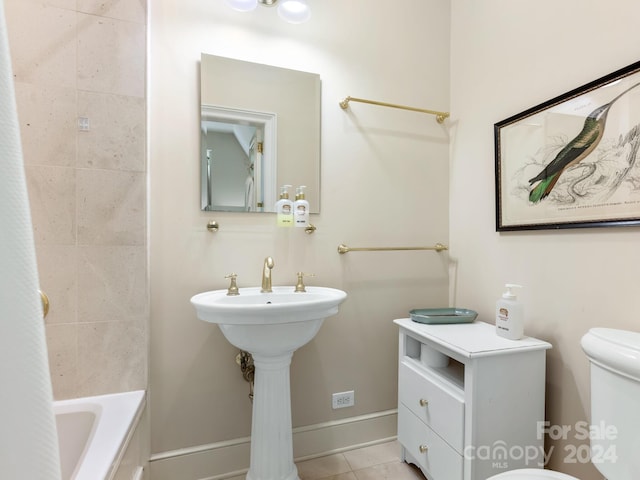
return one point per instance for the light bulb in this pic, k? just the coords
(294, 11)
(243, 5)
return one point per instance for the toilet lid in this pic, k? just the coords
(532, 474)
(616, 350)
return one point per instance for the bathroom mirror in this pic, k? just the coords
(260, 129)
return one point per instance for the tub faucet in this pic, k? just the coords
(266, 275)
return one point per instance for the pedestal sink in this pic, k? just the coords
(270, 326)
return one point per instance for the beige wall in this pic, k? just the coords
(506, 57)
(87, 189)
(384, 182)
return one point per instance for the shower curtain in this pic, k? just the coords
(28, 440)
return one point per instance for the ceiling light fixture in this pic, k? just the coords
(243, 5)
(292, 11)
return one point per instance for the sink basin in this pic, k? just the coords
(270, 326)
(283, 305)
(269, 323)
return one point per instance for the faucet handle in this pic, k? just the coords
(300, 284)
(233, 286)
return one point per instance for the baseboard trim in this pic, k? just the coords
(230, 458)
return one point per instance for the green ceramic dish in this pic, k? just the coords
(443, 315)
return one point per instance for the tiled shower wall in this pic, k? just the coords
(86, 59)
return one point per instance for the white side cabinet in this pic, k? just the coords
(469, 401)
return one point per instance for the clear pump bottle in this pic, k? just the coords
(284, 208)
(301, 208)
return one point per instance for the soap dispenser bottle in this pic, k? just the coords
(509, 315)
(301, 208)
(284, 208)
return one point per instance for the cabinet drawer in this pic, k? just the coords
(434, 402)
(438, 459)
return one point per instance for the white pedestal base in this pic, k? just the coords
(271, 436)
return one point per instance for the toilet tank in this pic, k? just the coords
(614, 357)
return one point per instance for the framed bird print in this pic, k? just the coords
(573, 161)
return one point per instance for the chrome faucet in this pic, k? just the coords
(266, 275)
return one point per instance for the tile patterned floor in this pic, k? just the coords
(379, 462)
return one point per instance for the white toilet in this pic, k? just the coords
(614, 356)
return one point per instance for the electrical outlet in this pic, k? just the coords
(343, 399)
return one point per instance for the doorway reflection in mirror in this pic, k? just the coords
(237, 151)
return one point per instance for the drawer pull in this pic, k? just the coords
(423, 402)
(423, 448)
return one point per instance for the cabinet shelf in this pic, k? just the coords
(452, 374)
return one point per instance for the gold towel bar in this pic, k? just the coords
(440, 116)
(342, 248)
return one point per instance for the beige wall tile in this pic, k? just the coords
(53, 206)
(62, 342)
(116, 137)
(57, 269)
(43, 42)
(111, 208)
(111, 284)
(131, 10)
(111, 357)
(48, 124)
(68, 4)
(111, 56)
(46, 41)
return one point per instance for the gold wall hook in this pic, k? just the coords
(45, 303)
(213, 226)
(309, 229)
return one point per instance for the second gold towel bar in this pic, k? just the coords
(440, 116)
(342, 248)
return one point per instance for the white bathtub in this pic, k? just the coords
(93, 433)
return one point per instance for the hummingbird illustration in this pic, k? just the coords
(574, 151)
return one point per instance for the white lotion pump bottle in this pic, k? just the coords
(284, 208)
(509, 315)
(301, 208)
